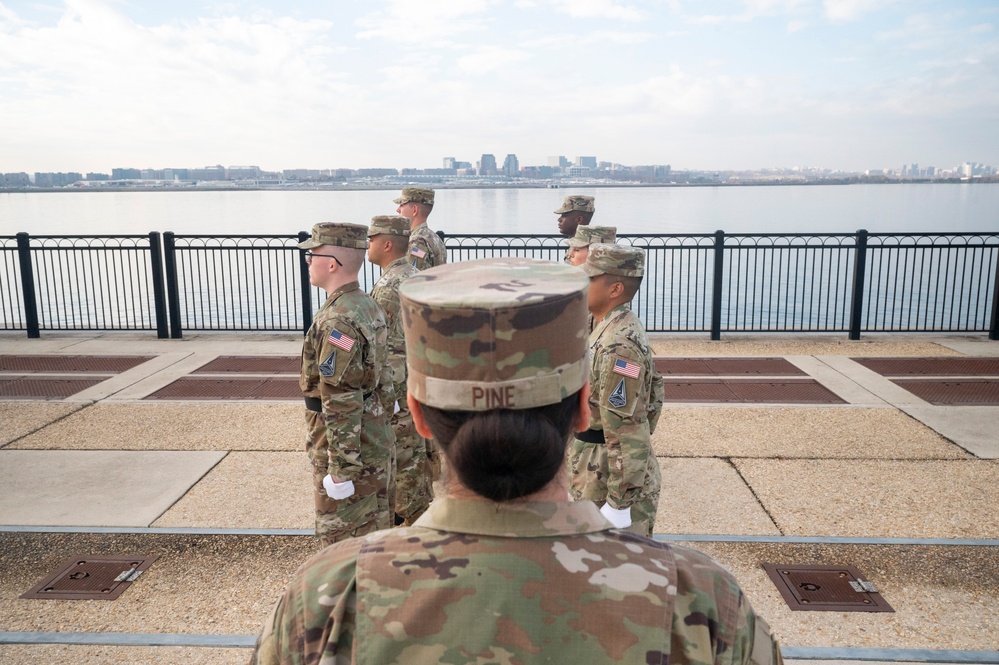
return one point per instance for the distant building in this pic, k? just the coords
(487, 165)
(98, 176)
(242, 172)
(56, 179)
(587, 162)
(511, 167)
(559, 161)
(14, 180)
(125, 174)
(449, 163)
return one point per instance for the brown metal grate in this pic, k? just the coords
(98, 364)
(726, 367)
(783, 391)
(945, 366)
(826, 588)
(967, 392)
(91, 577)
(253, 365)
(24, 387)
(230, 388)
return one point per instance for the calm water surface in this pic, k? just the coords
(766, 209)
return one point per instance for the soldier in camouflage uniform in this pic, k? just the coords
(612, 462)
(577, 210)
(426, 249)
(505, 569)
(579, 244)
(350, 442)
(388, 241)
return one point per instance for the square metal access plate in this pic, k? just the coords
(826, 588)
(91, 577)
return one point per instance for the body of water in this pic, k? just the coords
(888, 208)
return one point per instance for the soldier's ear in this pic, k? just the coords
(419, 422)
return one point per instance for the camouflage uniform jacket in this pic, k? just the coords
(386, 294)
(343, 361)
(426, 249)
(626, 398)
(477, 581)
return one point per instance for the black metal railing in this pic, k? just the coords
(710, 283)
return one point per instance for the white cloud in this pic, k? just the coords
(852, 10)
(600, 9)
(424, 22)
(489, 58)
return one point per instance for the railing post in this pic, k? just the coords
(303, 273)
(173, 283)
(859, 276)
(28, 285)
(994, 324)
(159, 291)
(716, 285)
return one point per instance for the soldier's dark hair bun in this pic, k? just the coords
(505, 454)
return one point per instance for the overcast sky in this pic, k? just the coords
(89, 85)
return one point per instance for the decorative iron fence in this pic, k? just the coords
(711, 283)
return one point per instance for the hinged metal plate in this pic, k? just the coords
(820, 588)
(231, 387)
(91, 577)
(59, 364)
(252, 365)
(726, 367)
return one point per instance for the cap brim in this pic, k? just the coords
(572, 242)
(309, 244)
(561, 211)
(400, 201)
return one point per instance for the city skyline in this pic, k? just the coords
(845, 85)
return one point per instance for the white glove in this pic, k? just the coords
(619, 517)
(339, 491)
(397, 409)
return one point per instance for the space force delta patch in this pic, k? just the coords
(618, 398)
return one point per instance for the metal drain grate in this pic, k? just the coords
(726, 367)
(91, 577)
(943, 366)
(784, 391)
(23, 387)
(826, 588)
(98, 364)
(969, 392)
(253, 365)
(230, 388)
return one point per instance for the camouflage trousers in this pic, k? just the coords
(369, 508)
(413, 489)
(588, 482)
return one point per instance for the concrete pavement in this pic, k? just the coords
(880, 464)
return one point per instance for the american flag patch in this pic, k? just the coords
(337, 338)
(418, 253)
(626, 368)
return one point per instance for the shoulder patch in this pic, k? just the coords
(626, 368)
(344, 341)
(618, 398)
(328, 366)
(418, 253)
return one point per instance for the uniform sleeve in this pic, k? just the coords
(314, 619)
(625, 425)
(420, 253)
(340, 389)
(713, 621)
(656, 402)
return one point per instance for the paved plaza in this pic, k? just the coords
(878, 454)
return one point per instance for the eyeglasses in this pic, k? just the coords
(309, 255)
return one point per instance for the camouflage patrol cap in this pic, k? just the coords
(390, 225)
(614, 260)
(589, 235)
(416, 195)
(577, 202)
(338, 234)
(505, 333)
